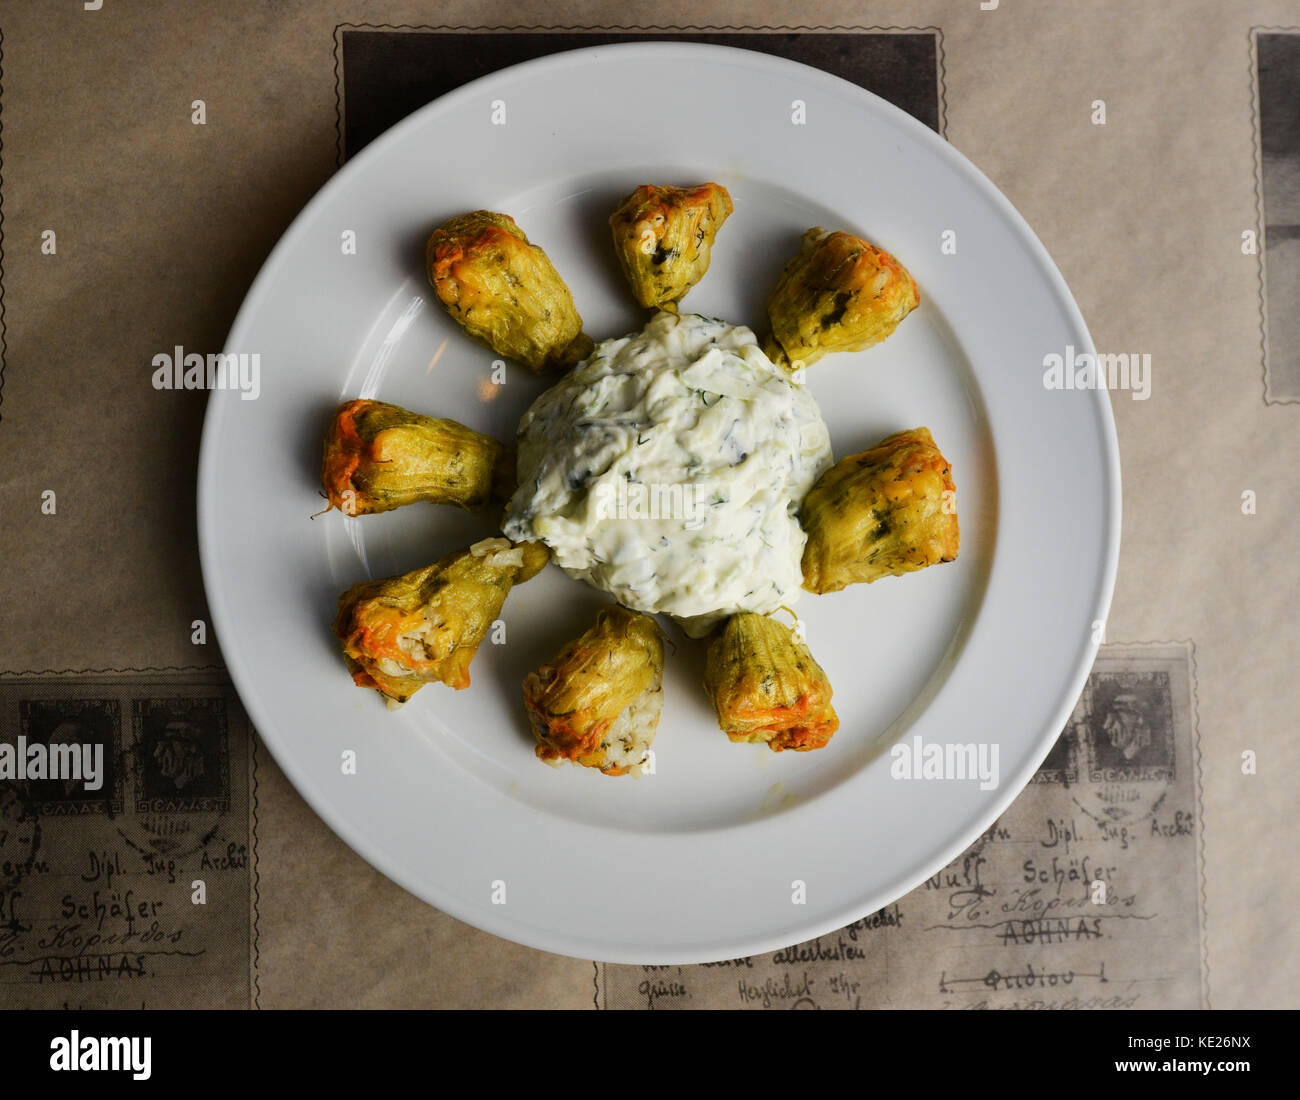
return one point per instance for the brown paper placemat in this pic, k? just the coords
(159, 225)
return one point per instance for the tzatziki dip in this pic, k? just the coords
(668, 468)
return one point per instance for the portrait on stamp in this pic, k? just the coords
(181, 755)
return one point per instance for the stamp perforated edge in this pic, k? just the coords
(1257, 146)
(686, 28)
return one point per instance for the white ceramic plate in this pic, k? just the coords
(701, 860)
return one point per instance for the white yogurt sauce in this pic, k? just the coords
(668, 468)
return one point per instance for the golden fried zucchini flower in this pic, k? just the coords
(379, 457)
(766, 687)
(505, 292)
(838, 294)
(663, 237)
(887, 511)
(597, 702)
(401, 633)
